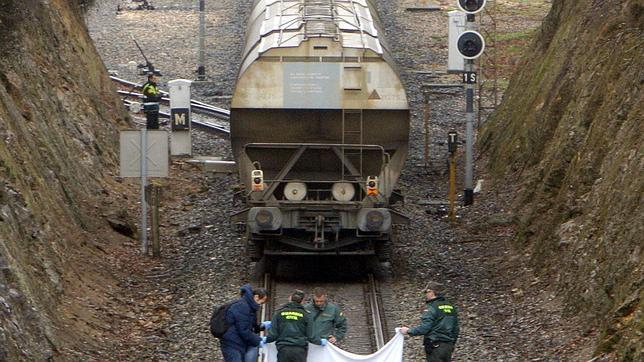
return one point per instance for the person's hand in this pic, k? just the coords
(323, 342)
(267, 325)
(404, 330)
(332, 339)
(262, 343)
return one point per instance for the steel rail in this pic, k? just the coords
(373, 307)
(376, 312)
(209, 126)
(205, 109)
(198, 106)
(266, 310)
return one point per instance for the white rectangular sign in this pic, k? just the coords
(457, 20)
(157, 153)
(180, 117)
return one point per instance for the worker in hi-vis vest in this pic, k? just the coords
(151, 102)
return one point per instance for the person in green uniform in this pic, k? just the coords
(150, 89)
(438, 325)
(151, 102)
(292, 330)
(328, 320)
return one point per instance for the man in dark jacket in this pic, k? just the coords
(439, 325)
(240, 342)
(328, 320)
(292, 330)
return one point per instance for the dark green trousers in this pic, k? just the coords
(291, 354)
(439, 351)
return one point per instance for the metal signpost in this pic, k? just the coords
(143, 157)
(144, 153)
(201, 69)
(451, 147)
(470, 45)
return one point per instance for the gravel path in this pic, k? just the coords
(505, 313)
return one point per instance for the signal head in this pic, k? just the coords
(471, 6)
(470, 44)
(257, 178)
(372, 185)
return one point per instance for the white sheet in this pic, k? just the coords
(390, 352)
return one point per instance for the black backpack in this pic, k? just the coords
(218, 325)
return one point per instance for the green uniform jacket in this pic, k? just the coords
(439, 322)
(329, 321)
(292, 326)
(151, 92)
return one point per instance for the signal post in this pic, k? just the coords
(451, 146)
(470, 45)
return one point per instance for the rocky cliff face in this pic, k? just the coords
(570, 133)
(58, 124)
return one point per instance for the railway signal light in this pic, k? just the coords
(372, 185)
(451, 141)
(470, 44)
(471, 6)
(257, 177)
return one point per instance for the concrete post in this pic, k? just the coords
(180, 117)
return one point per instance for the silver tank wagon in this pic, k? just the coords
(319, 130)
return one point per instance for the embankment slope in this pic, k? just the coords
(570, 134)
(59, 123)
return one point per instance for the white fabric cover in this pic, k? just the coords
(391, 352)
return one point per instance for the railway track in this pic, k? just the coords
(360, 301)
(196, 106)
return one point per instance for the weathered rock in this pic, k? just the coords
(58, 121)
(122, 226)
(571, 122)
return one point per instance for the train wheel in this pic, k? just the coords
(384, 251)
(380, 269)
(254, 250)
(259, 268)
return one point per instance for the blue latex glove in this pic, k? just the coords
(267, 324)
(262, 343)
(323, 342)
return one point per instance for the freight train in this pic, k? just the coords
(319, 130)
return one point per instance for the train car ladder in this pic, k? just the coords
(352, 133)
